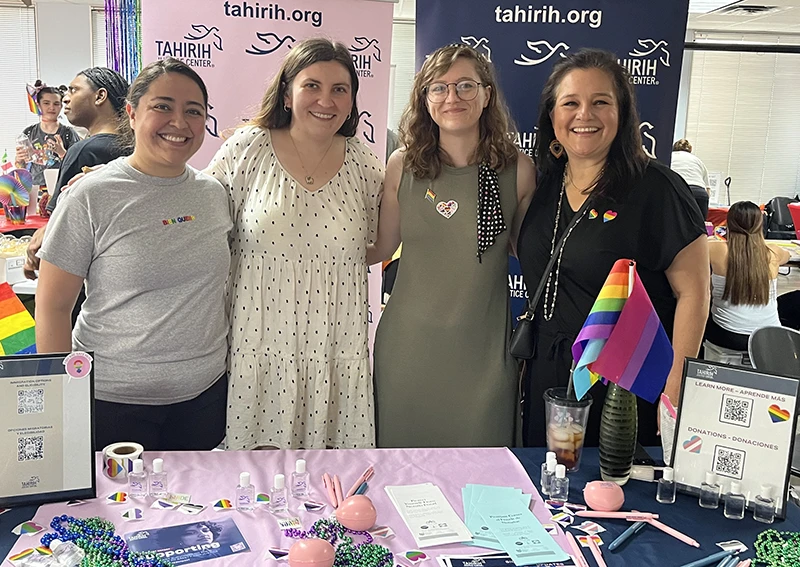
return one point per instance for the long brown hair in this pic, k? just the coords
(420, 134)
(273, 114)
(626, 160)
(747, 274)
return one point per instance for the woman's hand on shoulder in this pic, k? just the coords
(389, 218)
(526, 185)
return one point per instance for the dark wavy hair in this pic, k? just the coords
(43, 89)
(626, 161)
(304, 54)
(420, 134)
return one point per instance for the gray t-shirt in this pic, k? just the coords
(154, 253)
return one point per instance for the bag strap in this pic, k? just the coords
(534, 299)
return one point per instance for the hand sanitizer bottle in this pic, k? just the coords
(548, 472)
(245, 493)
(764, 505)
(137, 480)
(735, 502)
(665, 493)
(709, 492)
(66, 553)
(158, 480)
(278, 501)
(300, 480)
(559, 487)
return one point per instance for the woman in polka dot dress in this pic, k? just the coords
(305, 198)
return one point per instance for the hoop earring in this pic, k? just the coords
(556, 149)
(286, 109)
(349, 115)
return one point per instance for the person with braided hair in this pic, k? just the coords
(95, 100)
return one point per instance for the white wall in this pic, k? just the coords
(64, 34)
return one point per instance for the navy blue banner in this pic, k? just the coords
(524, 40)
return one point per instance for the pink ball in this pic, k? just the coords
(603, 496)
(311, 553)
(357, 513)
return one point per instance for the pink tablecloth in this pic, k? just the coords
(210, 476)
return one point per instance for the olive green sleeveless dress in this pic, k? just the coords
(443, 376)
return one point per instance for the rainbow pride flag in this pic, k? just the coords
(622, 339)
(32, 105)
(17, 329)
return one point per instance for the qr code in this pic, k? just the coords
(729, 462)
(736, 411)
(30, 448)
(237, 546)
(30, 401)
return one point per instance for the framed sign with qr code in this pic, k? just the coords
(738, 423)
(46, 428)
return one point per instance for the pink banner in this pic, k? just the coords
(238, 46)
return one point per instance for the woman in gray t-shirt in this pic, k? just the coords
(149, 235)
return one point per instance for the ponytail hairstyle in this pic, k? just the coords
(747, 274)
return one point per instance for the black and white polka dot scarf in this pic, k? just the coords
(490, 215)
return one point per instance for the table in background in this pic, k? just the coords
(451, 469)
(32, 223)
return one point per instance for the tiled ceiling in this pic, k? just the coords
(782, 19)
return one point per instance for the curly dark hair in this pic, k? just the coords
(626, 161)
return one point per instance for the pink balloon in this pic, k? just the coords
(311, 553)
(357, 513)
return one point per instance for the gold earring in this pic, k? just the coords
(556, 149)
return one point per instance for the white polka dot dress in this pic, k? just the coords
(299, 359)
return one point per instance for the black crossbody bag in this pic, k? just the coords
(523, 338)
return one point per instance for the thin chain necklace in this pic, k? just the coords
(310, 176)
(548, 311)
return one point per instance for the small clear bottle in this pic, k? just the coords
(300, 479)
(66, 553)
(559, 487)
(735, 502)
(137, 480)
(158, 480)
(764, 505)
(709, 492)
(665, 491)
(245, 493)
(547, 472)
(278, 502)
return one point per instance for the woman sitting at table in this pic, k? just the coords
(149, 234)
(589, 147)
(744, 284)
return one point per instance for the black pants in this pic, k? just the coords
(724, 338)
(550, 368)
(193, 425)
(789, 309)
(701, 197)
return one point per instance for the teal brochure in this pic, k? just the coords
(519, 532)
(472, 495)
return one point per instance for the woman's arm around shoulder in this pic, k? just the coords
(526, 185)
(389, 218)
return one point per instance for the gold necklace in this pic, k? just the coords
(310, 176)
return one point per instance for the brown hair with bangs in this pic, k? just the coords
(420, 134)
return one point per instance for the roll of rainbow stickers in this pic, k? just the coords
(117, 498)
(222, 505)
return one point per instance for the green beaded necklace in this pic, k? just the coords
(778, 549)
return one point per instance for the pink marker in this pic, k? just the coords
(631, 516)
(326, 480)
(673, 532)
(576, 550)
(598, 556)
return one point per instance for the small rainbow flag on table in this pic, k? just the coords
(622, 339)
(17, 329)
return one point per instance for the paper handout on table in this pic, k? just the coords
(428, 515)
(491, 560)
(471, 495)
(520, 533)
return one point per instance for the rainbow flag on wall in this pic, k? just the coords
(622, 339)
(17, 329)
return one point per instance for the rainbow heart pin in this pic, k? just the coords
(609, 216)
(693, 444)
(223, 504)
(447, 208)
(593, 214)
(117, 497)
(415, 556)
(777, 414)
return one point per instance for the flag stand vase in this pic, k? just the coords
(618, 428)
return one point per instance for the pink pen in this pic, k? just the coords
(361, 480)
(326, 480)
(598, 557)
(633, 516)
(337, 487)
(745, 563)
(672, 531)
(576, 550)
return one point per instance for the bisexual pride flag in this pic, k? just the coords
(622, 339)
(17, 330)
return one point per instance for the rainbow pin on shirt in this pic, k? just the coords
(430, 195)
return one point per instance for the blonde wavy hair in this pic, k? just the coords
(420, 134)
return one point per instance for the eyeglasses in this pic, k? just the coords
(465, 90)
